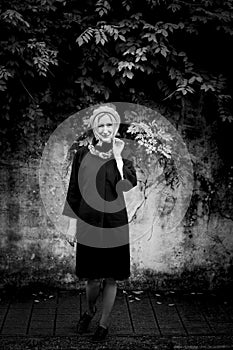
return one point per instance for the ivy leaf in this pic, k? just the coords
(122, 37)
(80, 40)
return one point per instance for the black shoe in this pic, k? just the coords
(100, 334)
(84, 322)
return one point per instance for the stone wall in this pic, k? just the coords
(197, 253)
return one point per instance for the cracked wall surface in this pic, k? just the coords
(196, 252)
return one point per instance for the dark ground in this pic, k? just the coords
(148, 319)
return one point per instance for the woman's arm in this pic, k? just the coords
(128, 174)
(128, 178)
(71, 232)
(120, 164)
(73, 196)
(72, 201)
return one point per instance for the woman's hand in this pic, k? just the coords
(118, 146)
(71, 241)
(71, 232)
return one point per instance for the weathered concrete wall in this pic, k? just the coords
(198, 253)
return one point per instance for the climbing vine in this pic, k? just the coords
(60, 56)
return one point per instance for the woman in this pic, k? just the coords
(98, 217)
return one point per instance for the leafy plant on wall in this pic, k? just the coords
(60, 56)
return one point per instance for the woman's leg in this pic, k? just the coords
(109, 296)
(92, 293)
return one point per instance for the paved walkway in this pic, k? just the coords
(181, 318)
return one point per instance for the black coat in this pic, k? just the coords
(95, 197)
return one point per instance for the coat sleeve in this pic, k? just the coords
(73, 196)
(129, 176)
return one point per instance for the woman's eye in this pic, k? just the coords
(102, 125)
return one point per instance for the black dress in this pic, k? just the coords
(95, 198)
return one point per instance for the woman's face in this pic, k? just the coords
(105, 128)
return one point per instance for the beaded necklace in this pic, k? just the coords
(103, 155)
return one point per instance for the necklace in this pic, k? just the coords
(103, 155)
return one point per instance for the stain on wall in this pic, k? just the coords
(197, 253)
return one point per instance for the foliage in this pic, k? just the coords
(154, 139)
(59, 56)
(156, 145)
